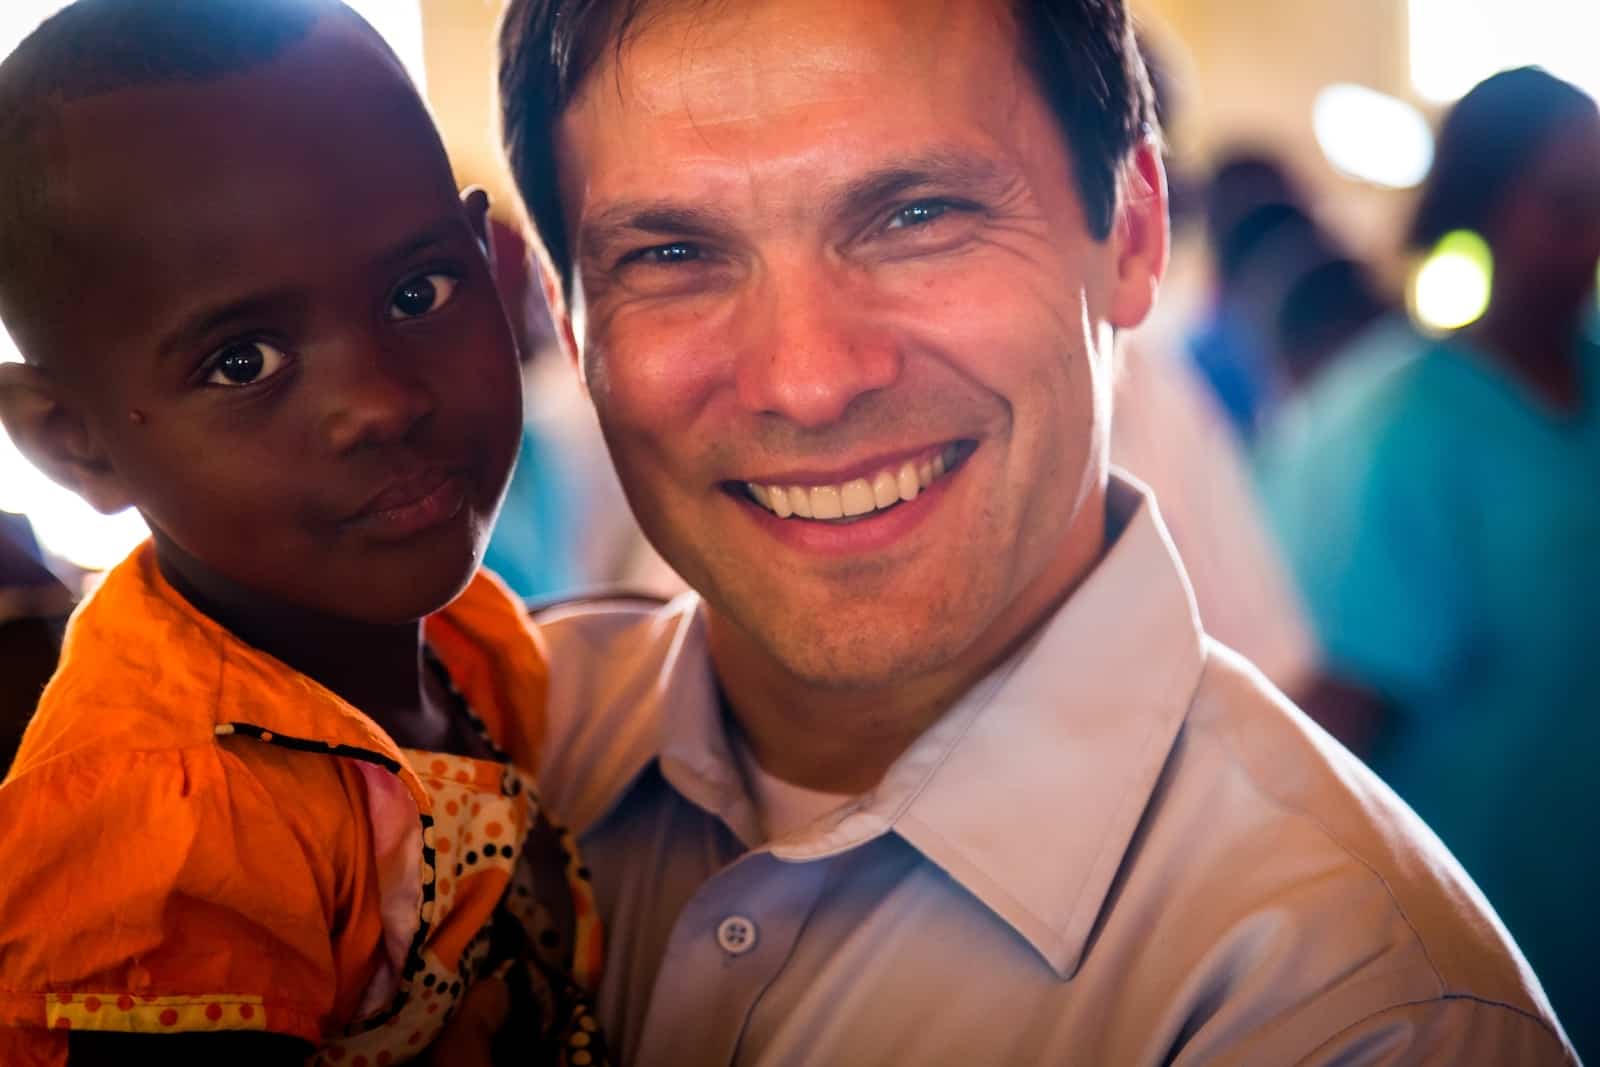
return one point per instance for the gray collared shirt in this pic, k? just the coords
(1121, 848)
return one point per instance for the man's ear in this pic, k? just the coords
(1140, 236)
(50, 430)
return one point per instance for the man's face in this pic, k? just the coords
(292, 357)
(832, 260)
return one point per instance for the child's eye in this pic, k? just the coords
(245, 363)
(421, 295)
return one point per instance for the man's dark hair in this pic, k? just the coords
(94, 47)
(1487, 143)
(1081, 53)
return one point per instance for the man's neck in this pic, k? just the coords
(374, 667)
(839, 739)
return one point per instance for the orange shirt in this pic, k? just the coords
(197, 837)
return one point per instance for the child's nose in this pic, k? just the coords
(378, 399)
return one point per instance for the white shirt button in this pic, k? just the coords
(736, 935)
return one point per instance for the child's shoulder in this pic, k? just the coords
(144, 671)
(145, 831)
(137, 673)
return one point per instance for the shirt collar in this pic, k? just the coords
(1037, 799)
(1029, 790)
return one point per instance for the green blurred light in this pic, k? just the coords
(1450, 287)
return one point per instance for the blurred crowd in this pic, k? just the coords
(1430, 500)
(1400, 527)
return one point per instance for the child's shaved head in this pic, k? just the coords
(253, 303)
(94, 47)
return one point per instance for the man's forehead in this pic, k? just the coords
(784, 111)
(728, 61)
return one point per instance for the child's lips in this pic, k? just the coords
(411, 505)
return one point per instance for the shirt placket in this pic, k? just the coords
(728, 946)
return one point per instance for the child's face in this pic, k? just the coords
(290, 346)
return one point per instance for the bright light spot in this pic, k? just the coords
(400, 23)
(19, 18)
(1455, 44)
(1373, 136)
(1451, 287)
(64, 524)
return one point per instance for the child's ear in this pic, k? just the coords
(51, 431)
(475, 202)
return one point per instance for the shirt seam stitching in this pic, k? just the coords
(1394, 902)
(1442, 998)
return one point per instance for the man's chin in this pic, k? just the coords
(855, 658)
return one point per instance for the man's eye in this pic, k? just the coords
(917, 214)
(423, 294)
(664, 255)
(245, 363)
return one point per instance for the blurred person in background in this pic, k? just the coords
(1260, 233)
(1170, 432)
(33, 611)
(1326, 308)
(1440, 502)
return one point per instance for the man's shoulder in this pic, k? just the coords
(610, 657)
(1307, 831)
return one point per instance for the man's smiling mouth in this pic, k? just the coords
(858, 498)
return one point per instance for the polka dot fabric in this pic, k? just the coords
(153, 1015)
(509, 898)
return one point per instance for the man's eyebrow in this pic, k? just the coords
(953, 170)
(957, 170)
(662, 217)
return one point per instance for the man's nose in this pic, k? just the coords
(813, 346)
(373, 395)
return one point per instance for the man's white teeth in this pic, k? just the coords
(856, 497)
(906, 483)
(825, 503)
(885, 489)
